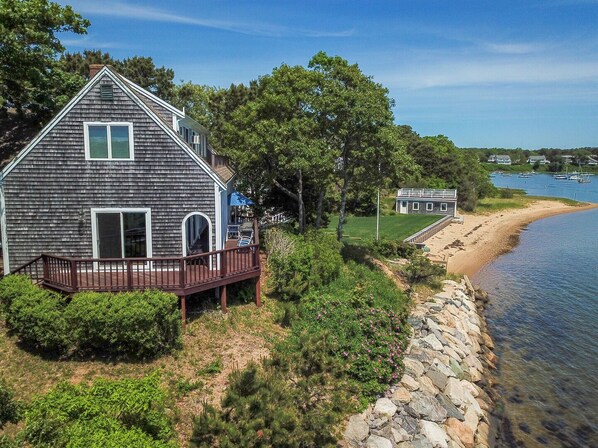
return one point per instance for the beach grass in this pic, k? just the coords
(397, 227)
(518, 200)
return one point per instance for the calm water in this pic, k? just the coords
(543, 315)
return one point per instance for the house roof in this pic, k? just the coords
(144, 100)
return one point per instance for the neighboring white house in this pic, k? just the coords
(591, 161)
(537, 159)
(499, 159)
(567, 159)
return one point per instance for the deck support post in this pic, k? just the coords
(258, 292)
(184, 311)
(223, 299)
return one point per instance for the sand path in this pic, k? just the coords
(481, 238)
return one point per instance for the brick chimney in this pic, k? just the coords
(94, 69)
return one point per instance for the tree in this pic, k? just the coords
(196, 101)
(354, 110)
(30, 80)
(277, 134)
(141, 70)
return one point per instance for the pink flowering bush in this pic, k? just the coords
(369, 341)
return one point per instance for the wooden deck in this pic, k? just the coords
(182, 276)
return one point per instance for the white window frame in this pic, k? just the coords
(429, 206)
(94, 227)
(86, 126)
(443, 207)
(415, 206)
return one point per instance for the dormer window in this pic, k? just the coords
(108, 141)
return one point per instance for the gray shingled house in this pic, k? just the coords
(117, 174)
(426, 201)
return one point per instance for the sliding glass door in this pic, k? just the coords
(121, 233)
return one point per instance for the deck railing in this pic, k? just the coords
(33, 269)
(177, 274)
(426, 193)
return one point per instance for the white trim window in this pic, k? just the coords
(429, 206)
(121, 232)
(443, 207)
(108, 141)
(415, 206)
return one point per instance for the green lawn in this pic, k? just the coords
(396, 227)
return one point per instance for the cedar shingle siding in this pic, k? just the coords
(49, 194)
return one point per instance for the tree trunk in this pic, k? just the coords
(319, 209)
(301, 204)
(341, 212)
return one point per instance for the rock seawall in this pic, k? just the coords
(440, 401)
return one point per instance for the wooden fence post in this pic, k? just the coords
(184, 312)
(223, 299)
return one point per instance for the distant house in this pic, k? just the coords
(567, 159)
(499, 159)
(532, 160)
(591, 161)
(426, 201)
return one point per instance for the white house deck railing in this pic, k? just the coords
(426, 193)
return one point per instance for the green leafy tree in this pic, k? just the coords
(30, 78)
(196, 100)
(277, 134)
(143, 72)
(354, 110)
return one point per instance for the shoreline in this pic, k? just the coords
(480, 239)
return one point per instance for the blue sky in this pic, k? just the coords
(484, 73)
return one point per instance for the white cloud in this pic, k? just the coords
(140, 12)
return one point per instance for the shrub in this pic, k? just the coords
(420, 270)
(295, 399)
(392, 248)
(36, 316)
(298, 263)
(139, 324)
(506, 193)
(130, 412)
(369, 340)
(13, 286)
(10, 409)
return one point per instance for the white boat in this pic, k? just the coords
(560, 177)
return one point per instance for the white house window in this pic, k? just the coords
(109, 141)
(443, 207)
(415, 206)
(429, 206)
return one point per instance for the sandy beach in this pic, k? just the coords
(481, 238)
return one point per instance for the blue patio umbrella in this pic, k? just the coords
(237, 199)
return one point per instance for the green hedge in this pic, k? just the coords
(36, 315)
(125, 413)
(139, 324)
